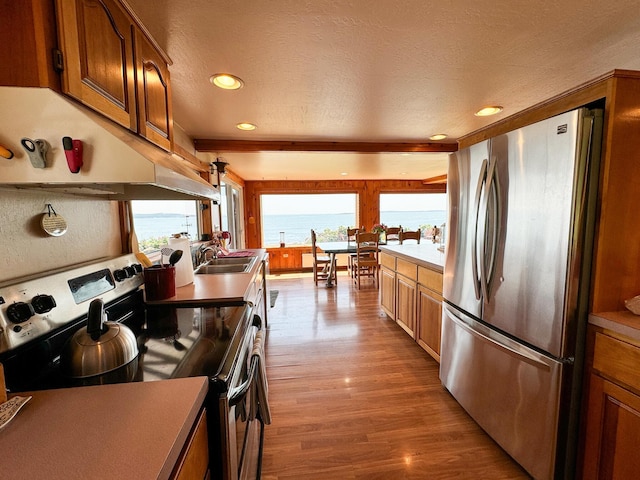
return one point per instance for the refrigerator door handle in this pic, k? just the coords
(474, 244)
(514, 351)
(491, 211)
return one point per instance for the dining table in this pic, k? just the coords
(332, 249)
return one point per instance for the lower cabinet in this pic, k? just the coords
(411, 294)
(388, 291)
(406, 288)
(612, 432)
(429, 321)
(194, 461)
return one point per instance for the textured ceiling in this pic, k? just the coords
(376, 70)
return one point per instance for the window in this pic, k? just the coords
(413, 210)
(156, 220)
(329, 214)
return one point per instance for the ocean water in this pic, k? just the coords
(296, 228)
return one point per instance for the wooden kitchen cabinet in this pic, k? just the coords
(194, 460)
(154, 93)
(111, 66)
(612, 431)
(406, 289)
(429, 316)
(97, 44)
(388, 284)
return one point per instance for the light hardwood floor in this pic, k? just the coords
(353, 397)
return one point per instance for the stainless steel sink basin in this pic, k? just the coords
(230, 261)
(217, 268)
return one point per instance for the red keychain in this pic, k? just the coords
(73, 152)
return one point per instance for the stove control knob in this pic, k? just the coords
(43, 303)
(19, 312)
(129, 271)
(137, 268)
(119, 275)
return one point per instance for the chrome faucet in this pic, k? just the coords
(201, 256)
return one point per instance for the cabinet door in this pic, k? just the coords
(154, 93)
(388, 292)
(406, 304)
(429, 321)
(613, 432)
(96, 37)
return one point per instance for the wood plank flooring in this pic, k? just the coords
(354, 397)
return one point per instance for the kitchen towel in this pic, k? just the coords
(184, 267)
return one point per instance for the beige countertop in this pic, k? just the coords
(624, 323)
(425, 254)
(222, 288)
(129, 430)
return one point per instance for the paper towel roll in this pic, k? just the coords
(184, 267)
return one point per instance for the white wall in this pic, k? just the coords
(93, 231)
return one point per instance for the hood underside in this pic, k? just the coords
(116, 163)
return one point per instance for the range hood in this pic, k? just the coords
(117, 164)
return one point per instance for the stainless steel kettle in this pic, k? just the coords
(98, 348)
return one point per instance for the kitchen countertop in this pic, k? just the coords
(624, 323)
(426, 254)
(222, 288)
(128, 430)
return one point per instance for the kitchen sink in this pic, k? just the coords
(217, 268)
(230, 261)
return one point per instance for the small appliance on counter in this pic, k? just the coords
(184, 268)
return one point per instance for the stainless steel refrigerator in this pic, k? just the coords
(516, 281)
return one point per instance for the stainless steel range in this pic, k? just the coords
(39, 314)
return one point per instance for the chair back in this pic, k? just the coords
(393, 233)
(351, 234)
(313, 245)
(409, 235)
(367, 244)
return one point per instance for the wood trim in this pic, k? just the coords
(213, 145)
(436, 179)
(191, 158)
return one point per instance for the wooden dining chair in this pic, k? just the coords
(393, 233)
(409, 235)
(351, 240)
(321, 263)
(365, 263)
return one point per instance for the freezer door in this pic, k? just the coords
(535, 174)
(465, 180)
(511, 391)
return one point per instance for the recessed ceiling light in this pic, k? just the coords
(344, 174)
(486, 111)
(246, 126)
(226, 81)
(438, 136)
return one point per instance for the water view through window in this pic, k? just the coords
(156, 220)
(330, 215)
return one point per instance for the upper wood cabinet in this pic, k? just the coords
(111, 66)
(154, 93)
(96, 39)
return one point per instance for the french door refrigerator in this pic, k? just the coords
(516, 281)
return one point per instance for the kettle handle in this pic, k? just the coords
(96, 318)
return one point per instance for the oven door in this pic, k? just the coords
(244, 426)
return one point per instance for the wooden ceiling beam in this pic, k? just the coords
(435, 180)
(211, 145)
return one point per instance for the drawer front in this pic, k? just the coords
(617, 360)
(409, 270)
(430, 279)
(388, 261)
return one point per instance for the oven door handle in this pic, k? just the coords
(241, 391)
